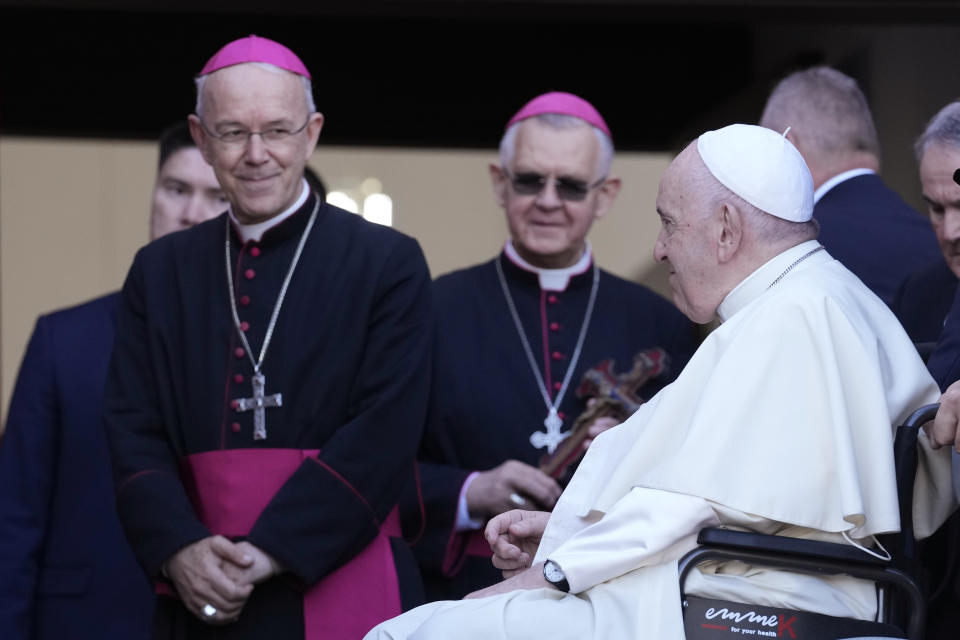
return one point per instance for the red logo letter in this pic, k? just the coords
(786, 625)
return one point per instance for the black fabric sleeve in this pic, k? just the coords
(153, 507)
(27, 475)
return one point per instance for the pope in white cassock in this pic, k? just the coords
(782, 423)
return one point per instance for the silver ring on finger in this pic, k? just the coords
(518, 499)
(209, 611)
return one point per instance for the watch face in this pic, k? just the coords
(552, 572)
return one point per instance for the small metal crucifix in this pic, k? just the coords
(552, 437)
(259, 403)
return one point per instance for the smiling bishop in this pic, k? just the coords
(267, 389)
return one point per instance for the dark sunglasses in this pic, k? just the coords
(571, 189)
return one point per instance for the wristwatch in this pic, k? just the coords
(553, 574)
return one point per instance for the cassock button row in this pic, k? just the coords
(554, 326)
(244, 300)
(556, 355)
(249, 274)
(238, 378)
(239, 352)
(552, 299)
(561, 415)
(245, 326)
(255, 251)
(235, 427)
(234, 404)
(557, 385)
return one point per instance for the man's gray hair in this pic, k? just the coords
(200, 81)
(508, 145)
(943, 129)
(828, 111)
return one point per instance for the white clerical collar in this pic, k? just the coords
(837, 179)
(754, 285)
(552, 279)
(256, 230)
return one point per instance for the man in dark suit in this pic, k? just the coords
(924, 301)
(928, 306)
(66, 570)
(864, 224)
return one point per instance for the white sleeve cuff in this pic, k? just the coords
(464, 521)
(645, 527)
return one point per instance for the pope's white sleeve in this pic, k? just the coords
(645, 527)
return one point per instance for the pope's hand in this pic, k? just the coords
(512, 484)
(531, 578)
(196, 572)
(943, 430)
(514, 537)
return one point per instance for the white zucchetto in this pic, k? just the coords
(762, 167)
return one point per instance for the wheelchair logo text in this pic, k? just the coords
(766, 623)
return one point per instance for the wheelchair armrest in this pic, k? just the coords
(808, 556)
(796, 547)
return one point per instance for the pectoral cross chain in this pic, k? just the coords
(258, 404)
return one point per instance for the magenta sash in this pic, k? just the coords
(229, 489)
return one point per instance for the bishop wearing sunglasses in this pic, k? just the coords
(516, 334)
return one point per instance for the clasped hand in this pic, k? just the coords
(219, 573)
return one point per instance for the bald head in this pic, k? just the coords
(829, 119)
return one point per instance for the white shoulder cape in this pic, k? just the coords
(786, 411)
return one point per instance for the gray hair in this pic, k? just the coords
(770, 228)
(943, 129)
(201, 81)
(560, 121)
(765, 226)
(828, 111)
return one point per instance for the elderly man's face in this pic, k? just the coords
(260, 177)
(549, 230)
(687, 241)
(942, 195)
(186, 193)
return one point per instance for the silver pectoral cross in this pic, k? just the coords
(552, 437)
(258, 403)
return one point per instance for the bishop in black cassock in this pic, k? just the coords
(346, 376)
(493, 379)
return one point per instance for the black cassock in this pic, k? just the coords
(350, 355)
(486, 402)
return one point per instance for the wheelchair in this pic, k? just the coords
(901, 602)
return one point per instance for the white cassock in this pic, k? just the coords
(780, 423)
